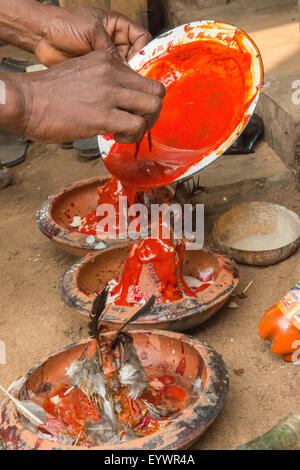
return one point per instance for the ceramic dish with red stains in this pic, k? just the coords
(58, 211)
(231, 55)
(90, 275)
(198, 367)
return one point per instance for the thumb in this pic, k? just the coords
(103, 42)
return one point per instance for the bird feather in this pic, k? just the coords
(29, 410)
(97, 312)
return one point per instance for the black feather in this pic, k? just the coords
(96, 314)
(141, 311)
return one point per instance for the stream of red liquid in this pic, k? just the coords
(109, 193)
(162, 254)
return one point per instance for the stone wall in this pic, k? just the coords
(175, 9)
(184, 11)
(136, 10)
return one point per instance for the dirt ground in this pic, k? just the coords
(34, 322)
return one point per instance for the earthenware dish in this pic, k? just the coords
(248, 221)
(78, 199)
(80, 282)
(153, 349)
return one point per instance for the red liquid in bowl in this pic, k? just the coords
(209, 88)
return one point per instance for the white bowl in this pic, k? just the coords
(190, 33)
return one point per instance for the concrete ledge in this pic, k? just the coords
(237, 178)
(247, 14)
(282, 120)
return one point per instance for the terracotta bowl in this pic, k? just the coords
(78, 199)
(245, 230)
(153, 348)
(80, 282)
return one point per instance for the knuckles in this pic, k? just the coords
(138, 127)
(159, 88)
(156, 105)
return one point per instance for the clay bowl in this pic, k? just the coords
(80, 282)
(258, 233)
(58, 210)
(153, 348)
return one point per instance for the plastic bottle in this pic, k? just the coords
(281, 326)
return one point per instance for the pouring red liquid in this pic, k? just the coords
(209, 89)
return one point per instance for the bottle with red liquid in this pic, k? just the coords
(281, 326)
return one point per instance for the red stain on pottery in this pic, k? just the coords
(181, 366)
(164, 366)
(109, 193)
(38, 444)
(73, 410)
(166, 258)
(176, 392)
(187, 28)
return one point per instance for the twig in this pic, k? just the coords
(243, 294)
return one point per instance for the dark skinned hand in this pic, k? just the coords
(72, 32)
(89, 95)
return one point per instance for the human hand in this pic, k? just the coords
(86, 96)
(73, 32)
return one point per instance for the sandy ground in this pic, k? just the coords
(34, 322)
